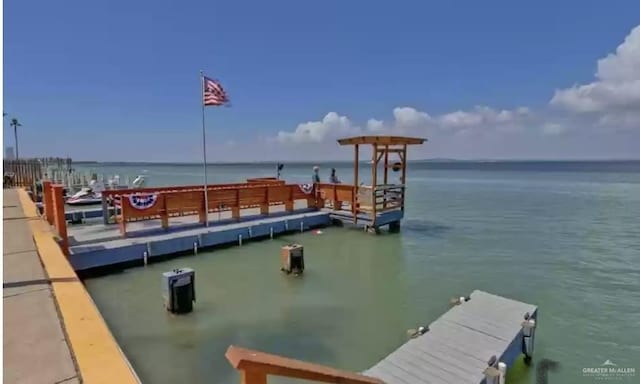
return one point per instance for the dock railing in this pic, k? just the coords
(163, 205)
(166, 202)
(336, 195)
(112, 197)
(362, 199)
(265, 180)
(255, 366)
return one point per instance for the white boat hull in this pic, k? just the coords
(85, 201)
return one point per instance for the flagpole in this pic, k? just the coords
(204, 157)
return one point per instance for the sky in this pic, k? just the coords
(119, 80)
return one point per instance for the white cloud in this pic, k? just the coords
(616, 89)
(409, 121)
(482, 116)
(553, 129)
(374, 125)
(410, 118)
(610, 103)
(623, 120)
(331, 127)
(406, 120)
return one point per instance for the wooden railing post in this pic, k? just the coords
(59, 217)
(288, 205)
(235, 210)
(320, 199)
(122, 219)
(252, 377)
(311, 202)
(105, 210)
(203, 214)
(164, 214)
(47, 199)
(264, 207)
(337, 204)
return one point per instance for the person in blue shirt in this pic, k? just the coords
(316, 176)
(333, 179)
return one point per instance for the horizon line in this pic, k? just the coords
(441, 160)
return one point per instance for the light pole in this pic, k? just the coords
(15, 124)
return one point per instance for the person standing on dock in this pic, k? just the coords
(316, 175)
(333, 179)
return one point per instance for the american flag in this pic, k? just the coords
(214, 94)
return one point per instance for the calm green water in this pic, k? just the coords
(563, 236)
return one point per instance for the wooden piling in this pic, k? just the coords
(47, 199)
(59, 217)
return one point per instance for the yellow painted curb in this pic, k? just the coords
(97, 353)
(28, 206)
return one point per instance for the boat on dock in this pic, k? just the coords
(86, 196)
(92, 194)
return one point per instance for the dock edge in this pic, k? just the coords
(98, 357)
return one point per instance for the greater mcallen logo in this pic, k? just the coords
(609, 370)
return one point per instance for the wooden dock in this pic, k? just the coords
(458, 345)
(159, 221)
(96, 245)
(472, 343)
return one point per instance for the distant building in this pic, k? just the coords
(9, 153)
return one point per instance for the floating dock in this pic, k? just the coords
(456, 348)
(472, 343)
(141, 224)
(97, 245)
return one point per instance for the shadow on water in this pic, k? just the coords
(425, 227)
(284, 337)
(199, 353)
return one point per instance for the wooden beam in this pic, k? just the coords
(252, 377)
(380, 154)
(386, 164)
(404, 172)
(260, 363)
(354, 203)
(374, 175)
(390, 150)
(382, 140)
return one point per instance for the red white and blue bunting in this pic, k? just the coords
(142, 202)
(307, 189)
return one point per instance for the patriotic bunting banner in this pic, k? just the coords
(142, 202)
(306, 188)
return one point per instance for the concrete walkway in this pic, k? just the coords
(35, 348)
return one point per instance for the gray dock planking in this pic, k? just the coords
(457, 346)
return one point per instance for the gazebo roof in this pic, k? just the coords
(381, 140)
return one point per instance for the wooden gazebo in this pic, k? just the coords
(382, 202)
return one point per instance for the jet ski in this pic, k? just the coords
(86, 196)
(140, 181)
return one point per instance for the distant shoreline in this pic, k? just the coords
(213, 163)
